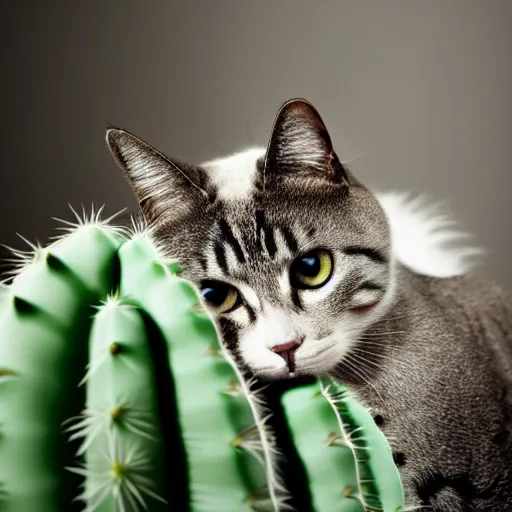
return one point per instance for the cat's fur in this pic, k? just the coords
(431, 355)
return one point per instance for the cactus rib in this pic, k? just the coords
(378, 477)
(41, 393)
(353, 469)
(121, 412)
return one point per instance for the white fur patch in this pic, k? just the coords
(234, 175)
(273, 328)
(424, 238)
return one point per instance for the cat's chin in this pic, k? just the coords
(271, 375)
(305, 369)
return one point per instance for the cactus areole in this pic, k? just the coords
(117, 395)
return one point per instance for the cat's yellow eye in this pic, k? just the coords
(312, 270)
(220, 297)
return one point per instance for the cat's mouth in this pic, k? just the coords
(295, 367)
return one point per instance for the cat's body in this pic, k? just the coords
(310, 273)
(442, 392)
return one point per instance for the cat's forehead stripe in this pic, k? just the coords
(265, 236)
(228, 235)
(290, 239)
(233, 245)
(220, 257)
(270, 241)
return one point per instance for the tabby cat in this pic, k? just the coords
(308, 272)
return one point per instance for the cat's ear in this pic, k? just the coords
(300, 144)
(165, 189)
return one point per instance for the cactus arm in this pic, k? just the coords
(329, 470)
(372, 453)
(278, 495)
(44, 325)
(121, 420)
(352, 470)
(202, 382)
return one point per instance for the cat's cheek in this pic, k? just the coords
(321, 355)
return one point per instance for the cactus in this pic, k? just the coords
(116, 394)
(353, 471)
(44, 331)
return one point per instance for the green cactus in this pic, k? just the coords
(353, 470)
(120, 427)
(116, 395)
(44, 326)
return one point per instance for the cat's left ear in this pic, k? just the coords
(166, 189)
(300, 144)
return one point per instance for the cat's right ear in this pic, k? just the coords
(166, 190)
(300, 145)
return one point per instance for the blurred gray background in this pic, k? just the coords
(416, 94)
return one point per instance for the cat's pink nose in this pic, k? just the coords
(287, 352)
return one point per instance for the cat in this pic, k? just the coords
(307, 272)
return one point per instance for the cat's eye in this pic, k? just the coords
(365, 308)
(366, 297)
(220, 297)
(311, 270)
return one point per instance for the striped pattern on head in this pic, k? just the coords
(291, 252)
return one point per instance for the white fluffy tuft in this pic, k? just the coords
(425, 238)
(234, 175)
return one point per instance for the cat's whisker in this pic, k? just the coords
(368, 361)
(379, 331)
(395, 360)
(376, 342)
(364, 361)
(381, 342)
(383, 333)
(362, 376)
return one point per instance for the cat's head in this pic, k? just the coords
(291, 252)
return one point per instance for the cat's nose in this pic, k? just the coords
(287, 352)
